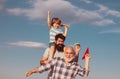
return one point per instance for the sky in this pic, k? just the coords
(24, 35)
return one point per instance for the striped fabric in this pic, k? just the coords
(61, 71)
(53, 33)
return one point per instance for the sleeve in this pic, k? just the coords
(47, 66)
(83, 72)
(46, 53)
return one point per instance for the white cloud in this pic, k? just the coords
(61, 8)
(28, 44)
(111, 31)
(86, 1)
(39, 8)
(114, 13)
(103, 22)
(16, 11)
(87, 16)
(1, 7)
(66, 11)
(107, 11)
(2, 4)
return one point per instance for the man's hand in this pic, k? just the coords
(27, 74)
(87, 57)
(35, 70)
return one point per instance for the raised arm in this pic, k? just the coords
(84, 72)
(77, 50)
(48, 20)
(65, 30)
(87, 59)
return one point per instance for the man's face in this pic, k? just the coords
(69, 54)
(59, 41)
(60, 44)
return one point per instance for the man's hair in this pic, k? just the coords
(60, 36)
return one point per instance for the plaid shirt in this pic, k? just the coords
(61, 71)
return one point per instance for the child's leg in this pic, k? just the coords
(51, 52)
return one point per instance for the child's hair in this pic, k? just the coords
(55, 20)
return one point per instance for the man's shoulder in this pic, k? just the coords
(46, 52)
(47, 48)
(58, 54)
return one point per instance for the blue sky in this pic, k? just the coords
(24, 34)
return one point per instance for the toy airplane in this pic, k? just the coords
(86, 52)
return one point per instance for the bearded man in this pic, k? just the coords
(59, 47)
(64, 68)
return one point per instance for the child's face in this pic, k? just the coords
(57, 24)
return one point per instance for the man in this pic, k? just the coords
(64, 68)
(59, 46)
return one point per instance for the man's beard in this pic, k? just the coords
(60, 47)
(69, 59)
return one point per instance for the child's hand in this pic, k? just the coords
(77, 48)
(64, 25)
(48, 12)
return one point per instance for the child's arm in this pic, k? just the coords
(48, 20)
(66, 29)
(52, 51)
(78, 48)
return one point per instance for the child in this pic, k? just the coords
(54, 30)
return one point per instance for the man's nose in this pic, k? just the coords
(68, 55)
(61, 42)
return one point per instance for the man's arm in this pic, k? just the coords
(84, 72)
(43, 61)
(87, 59)
(45, 57)
(42, 68)
(28, 73)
